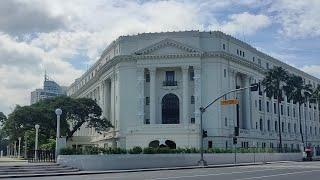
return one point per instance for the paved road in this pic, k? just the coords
(283, 171)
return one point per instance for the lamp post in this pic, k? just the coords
(252, 87)
(37, 126)
(58, 113)
(19, 146)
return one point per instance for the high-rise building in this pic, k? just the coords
(50, 89)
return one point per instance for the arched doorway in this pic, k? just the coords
(170, 109)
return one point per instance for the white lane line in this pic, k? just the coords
(205, 175)
(284, 174)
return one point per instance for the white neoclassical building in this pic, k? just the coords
(151, 86)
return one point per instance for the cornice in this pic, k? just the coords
(114, 61)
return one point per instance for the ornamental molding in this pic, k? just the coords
(167, 43)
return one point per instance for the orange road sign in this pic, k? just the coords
(229, 102)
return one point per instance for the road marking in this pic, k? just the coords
(204, 175)
(284, 174)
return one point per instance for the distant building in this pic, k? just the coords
(50, 89)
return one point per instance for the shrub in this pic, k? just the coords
(135, 150)
(149, 150)
(70, 151)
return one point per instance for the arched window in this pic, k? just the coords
(170, 109)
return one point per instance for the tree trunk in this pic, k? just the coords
(279, 122)
(302, 139)
(74, 129)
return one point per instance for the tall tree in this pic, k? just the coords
(273, 84)
(76, 112)
(299, 92)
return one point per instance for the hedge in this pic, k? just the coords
(163, 150)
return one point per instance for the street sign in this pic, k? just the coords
(229, 102)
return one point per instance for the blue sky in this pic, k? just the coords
(65, 37)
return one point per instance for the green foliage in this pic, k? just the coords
(166, 150)
(70, 151)
(135, 150)
(76, 112)
(49, 145)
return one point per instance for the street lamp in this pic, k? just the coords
(37, 126)
(19, 147)
(58, 113)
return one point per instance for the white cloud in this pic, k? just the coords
(312, 69)
(245, 23)
(21, 70)
(298, 18)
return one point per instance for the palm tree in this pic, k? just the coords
(273, 86)
(299, 92)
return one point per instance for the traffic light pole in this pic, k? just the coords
(202, 162)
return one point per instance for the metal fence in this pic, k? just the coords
(38, 156)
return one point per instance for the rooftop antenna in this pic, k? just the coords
(45, 76)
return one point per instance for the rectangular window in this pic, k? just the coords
(226, 122)
(253, 59)
(261, 125)
(191, 75)
(238, 51)
(224, 46)
(268, 108)
(276, 126)
(288, 111)
(242, 54)
(147, 121)
(289, 127)
(294, 112)
(193, 120)
(267, 65)
(224, 72)
(259, 62)
(210, 145)
(281, 109)
(260, 105)
(192, 99)
(147, 77)
(282, 126)
(170, 76)
(147, 100)
(275, 108)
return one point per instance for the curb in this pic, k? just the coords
(137, 170)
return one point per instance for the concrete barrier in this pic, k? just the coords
(141, 161)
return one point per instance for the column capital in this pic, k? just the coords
(152, 69)
(185, 68)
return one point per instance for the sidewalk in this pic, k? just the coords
(132, 170)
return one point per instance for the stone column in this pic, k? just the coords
(152, 95)
(185, 84)
(112, 100)
(247, 104)
(197, 92)
(140, 95)
(101, 98)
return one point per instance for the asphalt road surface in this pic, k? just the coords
(279, 171)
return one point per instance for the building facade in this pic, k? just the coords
(151, 86)
(50, 89)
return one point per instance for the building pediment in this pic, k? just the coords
(167, 46)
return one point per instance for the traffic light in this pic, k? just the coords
(255, 87)
(236, 131)
(204, 133)
(235, 140)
